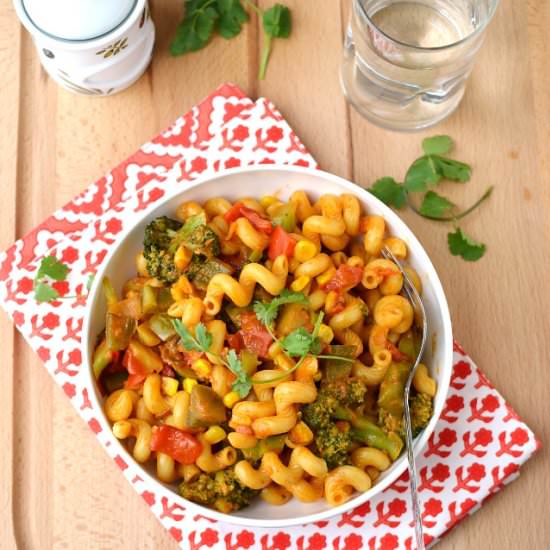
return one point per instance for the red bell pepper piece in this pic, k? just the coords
(181, 446)
(255, 336)
(281, 243)
(346, 277)
(239, 210)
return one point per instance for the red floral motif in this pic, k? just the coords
(401, 484)
(74, 328)
(11, 295)
(454, 404)
(69, 389)
(176, 533)
(447, 438)
(475, 473)
(315, 542)
(295, 144)
(144, 179)
(74, 357)
(244, 539)
(481, 438)
(62, 287)
(229, 143)
(208, 537)
(518, 437)
(144, 199)
(387, 542)
(499, 480)
(110, 227)
(18, 318)
(455, 517)
(232, 162)
(274, 134)
(171, 510)
(39, 327)
(396, 508)
(488, 404)
(461, 370)
(511, 414)
(432, 509)
(280, 542)
(350, 518)
(238, 110)
(43, 353)
(86, 403)
(440, 473)
(93, 261)
(262, 143)
(270, 112)
(94, 425)
(148, 497)
(24, 285)
(120, 462)
(69, 255)
(482, 381)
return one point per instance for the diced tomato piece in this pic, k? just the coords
(181, 446)
(132, 364)
(281, 243)
(396, 354)
(235, 341)
(134, 381)
(346, 277)
(255, 336)
(239, 210)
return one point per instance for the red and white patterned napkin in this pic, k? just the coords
(477, 447)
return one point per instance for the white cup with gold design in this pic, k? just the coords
(92, 47)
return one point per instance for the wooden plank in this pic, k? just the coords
(498, 305)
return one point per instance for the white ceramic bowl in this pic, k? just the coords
(281, 181)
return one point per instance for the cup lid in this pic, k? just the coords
(77, 19)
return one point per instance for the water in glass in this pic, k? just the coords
(406, 62)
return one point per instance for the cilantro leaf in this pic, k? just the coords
(187, 339)
(203, 337)
(437, 145)
(434, 205)
(267, 312)
(424, 171)
(276, 21)
(298, 342)
(243, 383)
(51, 267)
(453, 169)
(389, 192)
(464, 246)
(232, 16)
(44, 293)
(196, 28)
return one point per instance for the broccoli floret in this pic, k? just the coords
(221, 490)
(159, 234)
(317, 414)
(333, 445)
(202, 240)
(346, 391)
(421, 406)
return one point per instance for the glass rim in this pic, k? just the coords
(474, 33)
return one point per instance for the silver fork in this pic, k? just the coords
(418, 306)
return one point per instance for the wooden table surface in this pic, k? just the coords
(58, 488)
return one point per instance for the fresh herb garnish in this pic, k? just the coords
(464, 246)
(203, 18)
(425, 173)
(202, 341)
(267, 312)
(52, 269)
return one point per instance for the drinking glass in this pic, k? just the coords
(406, 62)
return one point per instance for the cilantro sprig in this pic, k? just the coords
(425, 173)
(201, 342)
(299, 343)
(51, 269)
(203, 18)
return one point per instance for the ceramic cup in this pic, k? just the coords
(91, 47)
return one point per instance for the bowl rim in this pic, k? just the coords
(397, 468)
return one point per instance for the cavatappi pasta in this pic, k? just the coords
(320, 424)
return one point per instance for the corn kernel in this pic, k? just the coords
(325, 277)
(326, 334)
(300, 283)
(189, 384)
(182, 257)
(268, 200)
(214, 434)
(305, 250)
(169, 385)
(230, 399)
(146, 336)
(202, 367)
